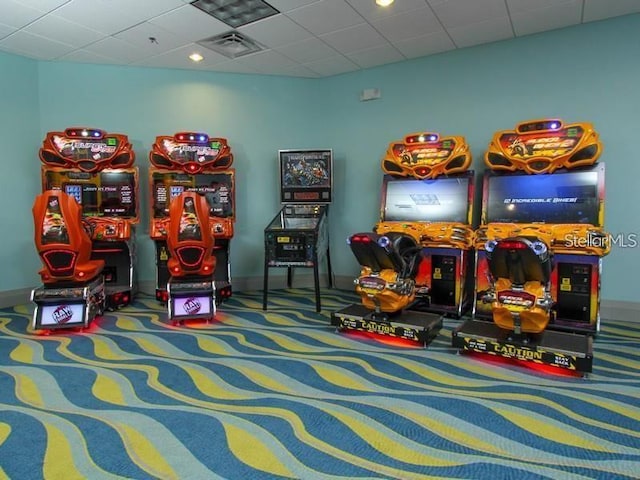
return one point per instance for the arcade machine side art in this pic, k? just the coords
(193, 162)
(298, 236)
(540, 247)
(96, 168)
(427, 197)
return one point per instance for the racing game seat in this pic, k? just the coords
(389, 265)
(189, 238)
(520, 271)
(62, 242)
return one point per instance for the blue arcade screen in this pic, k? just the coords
(568, 197)
(444, 199)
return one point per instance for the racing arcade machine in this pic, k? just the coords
(96, 168)
(540, 247)
(191, 264)
(193, 162)
(427, 197)
(298, 236)
(72, 294)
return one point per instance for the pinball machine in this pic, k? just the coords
(539, 247)
(416, 263)
(193, 162)
(298, 236)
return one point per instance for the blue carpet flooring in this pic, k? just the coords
(280, 394)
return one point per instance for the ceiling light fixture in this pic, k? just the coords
(196, 57)
(384, 3)
(236, 13)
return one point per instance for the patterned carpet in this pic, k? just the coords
(282, 395)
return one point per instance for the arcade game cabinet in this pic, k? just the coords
(96, 169)
(419, 255)
(193, 162)
(298, 236)
(540, 247)
(72, 294)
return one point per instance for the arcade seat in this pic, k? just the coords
(520, 269)
(189, 238)
(389, 265)
(62, 241)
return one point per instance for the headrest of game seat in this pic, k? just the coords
(382, 252)
(519, 259)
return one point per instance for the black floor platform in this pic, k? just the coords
(571, 351)
(417, 326)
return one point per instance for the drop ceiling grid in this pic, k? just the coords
(308, 38)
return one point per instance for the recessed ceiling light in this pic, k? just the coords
(236, 13)
(384, 3)
(196, 57)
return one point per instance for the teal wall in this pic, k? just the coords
(20, 137)
(583, 73)
(257, 114)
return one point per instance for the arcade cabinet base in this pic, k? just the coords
(118, 297)
(68, 307)
(191, 300)
(569, 351)
(417, 326)
(223, 292)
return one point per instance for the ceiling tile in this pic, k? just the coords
(326, 16)
(84, 56)
(63, 31)
(601, 9)
(307, 50)
(482, 32)
(370, 11)
(519, 6)
(286, 5)
(102, 18)
(299, 71)
(429, 44)
(268, 58)
(44, 6)
(408, 25)
(6, 30)
(458, 13)
(549, 18)
(142, 10)
(353, 39)
(35, 46)
(16, 15)
(275, 31)
(116, 48)
(230, 66)
(332, 66)
(141, 36)
(113, 16)
(372, 57)
(179, 58)
(191, 23)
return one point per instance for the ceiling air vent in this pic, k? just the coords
(231, 44)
